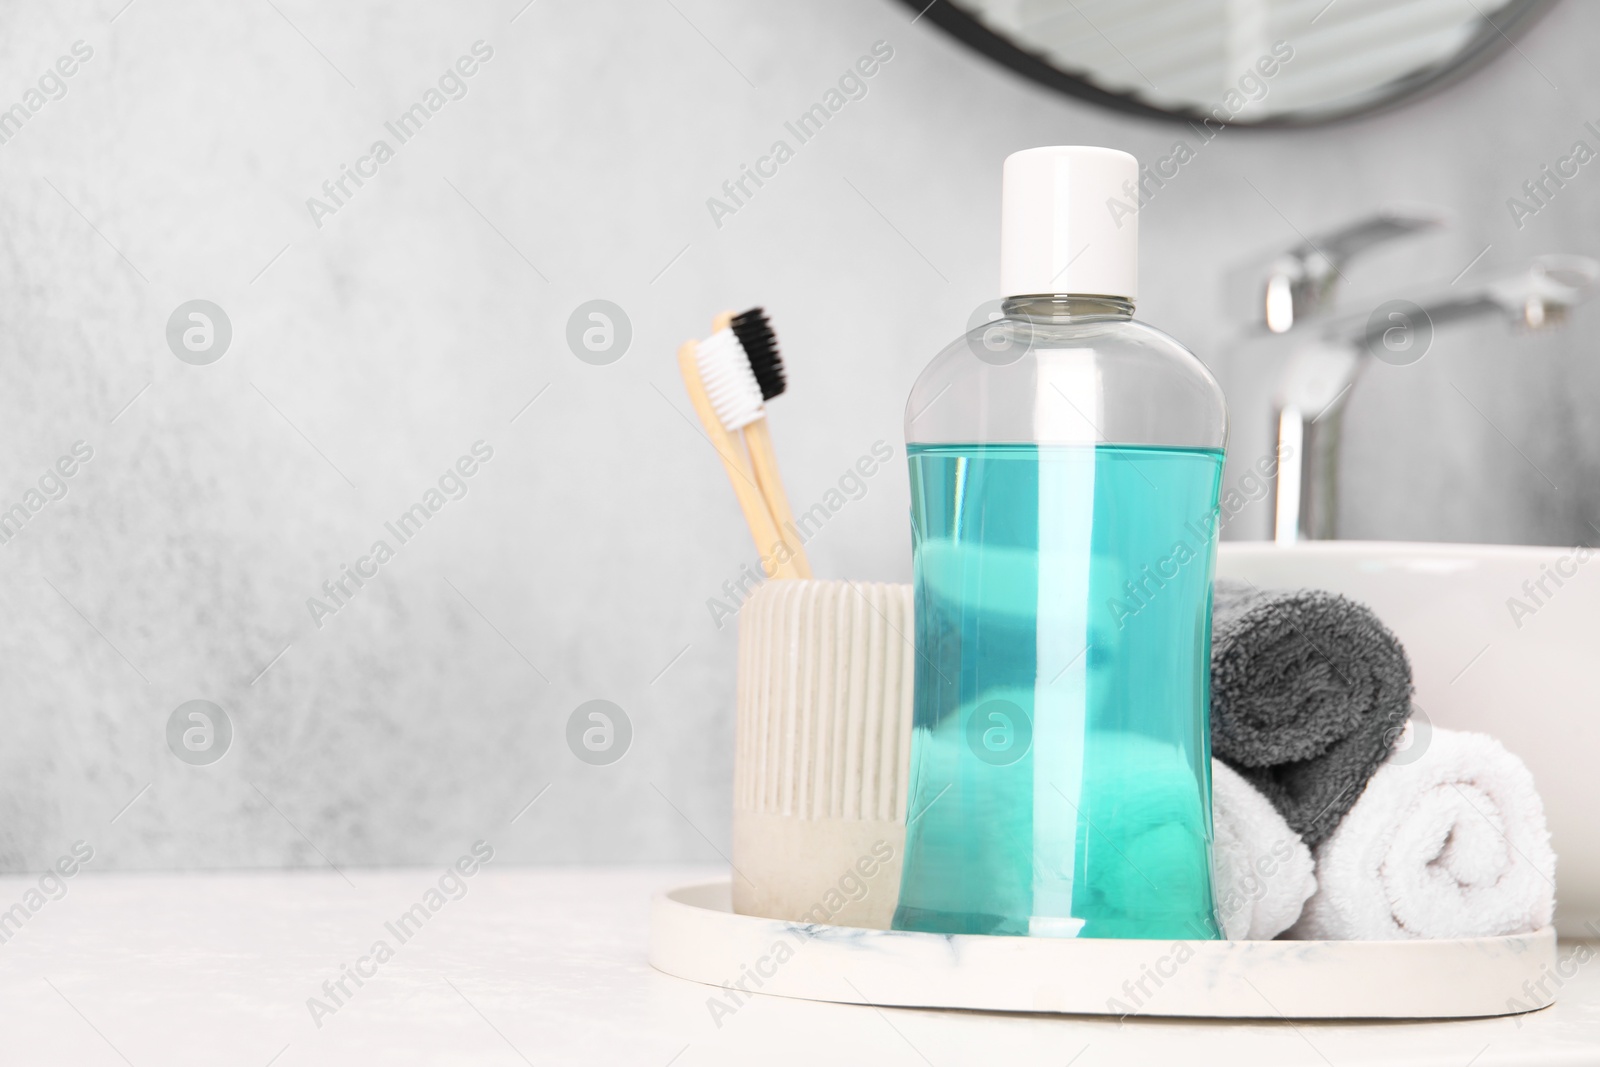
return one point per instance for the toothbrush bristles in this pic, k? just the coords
(729, 382)
(760, 346)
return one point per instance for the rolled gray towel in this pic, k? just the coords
(1309, 692)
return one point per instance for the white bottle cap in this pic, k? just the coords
(1069, 223)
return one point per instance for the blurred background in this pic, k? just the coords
(352, 350)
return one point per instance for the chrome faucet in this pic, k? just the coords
(1298, 295)
(1301, 282)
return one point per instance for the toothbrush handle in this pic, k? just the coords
(734, 460)
(758, 436)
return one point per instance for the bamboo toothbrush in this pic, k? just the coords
(760, 346)
(742, 370)
(734, 460)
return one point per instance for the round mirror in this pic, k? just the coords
(1239, 62)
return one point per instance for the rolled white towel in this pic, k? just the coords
(1451, 843)
(1263, 870)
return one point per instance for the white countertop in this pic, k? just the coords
(548, 966)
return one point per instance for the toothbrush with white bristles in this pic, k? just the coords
(740, 366)
(735, 460)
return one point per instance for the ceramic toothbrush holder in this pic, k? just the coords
(822, 748)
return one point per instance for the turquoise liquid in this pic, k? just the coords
(1060, 756)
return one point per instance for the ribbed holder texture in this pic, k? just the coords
(822, 748)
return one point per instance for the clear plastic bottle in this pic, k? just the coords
(1065, 463)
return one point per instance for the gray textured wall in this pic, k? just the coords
(370, 353)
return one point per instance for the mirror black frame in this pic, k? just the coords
(1489, 42)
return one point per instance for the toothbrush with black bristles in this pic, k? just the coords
(761, 349)
(742, 370)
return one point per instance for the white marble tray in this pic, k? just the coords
(695, 934)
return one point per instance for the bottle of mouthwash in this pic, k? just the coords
(1065, 464)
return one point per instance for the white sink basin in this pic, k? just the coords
(1529, 678)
